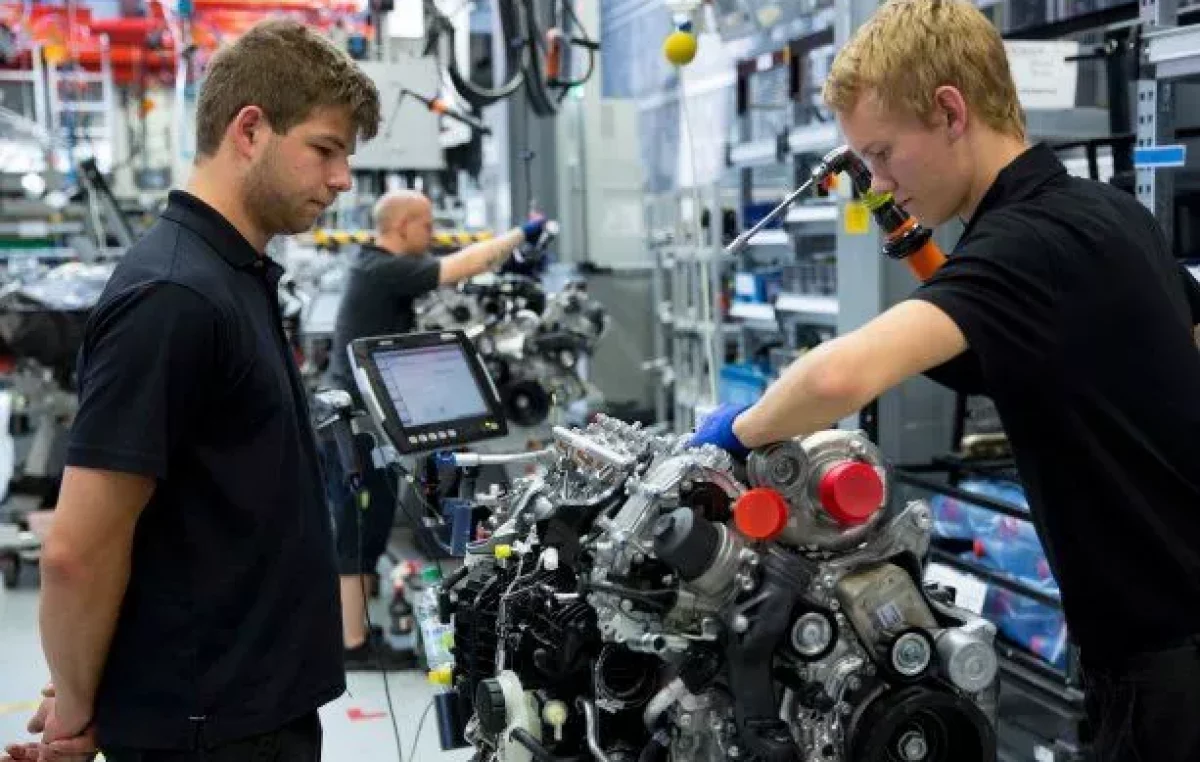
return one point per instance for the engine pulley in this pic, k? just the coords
(917, 724)
(526, 403)
(814, 634)
(907, 655)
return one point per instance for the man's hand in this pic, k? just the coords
(717, 429)
(55, 746)
(67, 738)
(533, 229)
(25, 752)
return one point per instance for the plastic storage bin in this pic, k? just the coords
(742, 384)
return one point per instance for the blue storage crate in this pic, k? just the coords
(742, 384)
(761, 286)
(753, 213)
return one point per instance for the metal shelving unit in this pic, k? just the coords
(1042, 712)
(688, 331)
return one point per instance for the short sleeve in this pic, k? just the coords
(962, 374)
(146, 371)
(409, 276)
(999, 289)
(1191, 289)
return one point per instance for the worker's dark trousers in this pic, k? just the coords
(298, 741)
(1146, 709)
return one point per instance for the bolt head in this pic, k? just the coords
(740, 623)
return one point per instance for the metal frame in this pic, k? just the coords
(688, 328)
(105, 107)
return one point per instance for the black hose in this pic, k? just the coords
(477, 96)
(539, 752)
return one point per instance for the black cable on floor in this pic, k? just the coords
(412, 753)
(363, 499)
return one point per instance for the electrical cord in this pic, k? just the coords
(363, 500)
(417, 520)
(476, 96)
(412, 752)
(705, 263)
(541, 78)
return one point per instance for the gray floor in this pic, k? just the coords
(23, 673)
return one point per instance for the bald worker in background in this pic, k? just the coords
(384, 281)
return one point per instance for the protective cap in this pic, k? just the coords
(851, 492)
(761, 513)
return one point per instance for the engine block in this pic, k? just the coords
(532, 343)
(641, 599)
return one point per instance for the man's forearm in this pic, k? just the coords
(479, 257)
(80, 601)
(492, 253)
(812, 394)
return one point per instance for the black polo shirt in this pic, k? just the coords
(381, 289)
(230, 625)
(1079, 322)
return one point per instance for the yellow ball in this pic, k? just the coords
(680, 47)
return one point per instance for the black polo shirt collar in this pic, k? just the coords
(218, 232)
(1020, 180)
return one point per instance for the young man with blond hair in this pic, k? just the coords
(1062, 301)
(189, 589)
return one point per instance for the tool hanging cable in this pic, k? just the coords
(439, 106)
(441, 43)
(549, 62)
(538, 56)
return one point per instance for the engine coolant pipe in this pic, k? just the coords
(760, 623)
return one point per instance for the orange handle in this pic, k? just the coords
(925, 261)
(554, 53)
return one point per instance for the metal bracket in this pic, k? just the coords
(1157, 14)
(1155, 126)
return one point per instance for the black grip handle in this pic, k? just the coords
(353, 468)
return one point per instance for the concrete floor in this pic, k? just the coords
(356, 726)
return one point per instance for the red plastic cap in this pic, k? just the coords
(761, 513)
(851, 492)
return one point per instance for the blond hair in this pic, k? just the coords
(909, 48)
(289, 71)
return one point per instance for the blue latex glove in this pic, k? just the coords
(533, 230)
(717, 429)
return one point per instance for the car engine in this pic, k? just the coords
(533, 344)
(639, 600)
